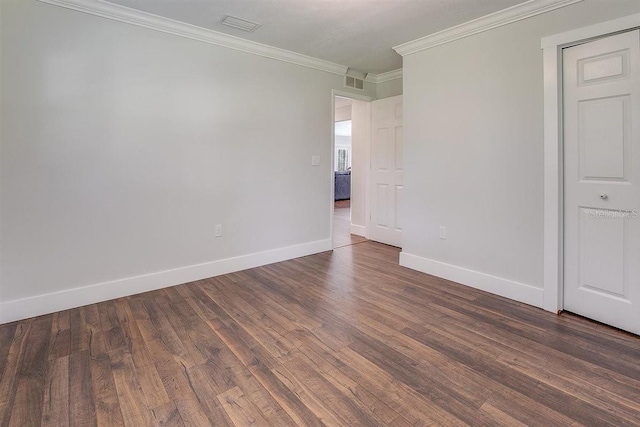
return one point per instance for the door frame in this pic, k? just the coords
(344, 94)
(552, 47)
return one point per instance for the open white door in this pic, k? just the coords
(602, 180)
(387, 171)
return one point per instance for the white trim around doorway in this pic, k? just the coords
(553, 148)
(350, 95)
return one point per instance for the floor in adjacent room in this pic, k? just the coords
(342, 225)
(342, 338)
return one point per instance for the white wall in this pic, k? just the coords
(360, 140)
(122, 147)
(389, 89)
(343, 113)
(474, 152)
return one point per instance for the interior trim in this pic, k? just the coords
(494, 20)
(486, 282)
(358, 230)
(581, 35)
(38, 305)
(170, 26)
(384, 77)
(553, 148)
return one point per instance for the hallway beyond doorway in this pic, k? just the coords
(342, 225)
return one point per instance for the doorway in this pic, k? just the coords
(591, 145)
(350, 143)
(387, 171)
(601, 85)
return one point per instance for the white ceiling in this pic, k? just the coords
(356, 33)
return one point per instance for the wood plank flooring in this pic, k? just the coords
(347, 338)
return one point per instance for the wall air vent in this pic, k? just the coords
(354, 82)
(241, 24)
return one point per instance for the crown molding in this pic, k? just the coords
(154, 22)
(503, 17)
(356, 74)
(384, 77)
(592, 31)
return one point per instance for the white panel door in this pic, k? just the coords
(602, 180)
(387, 171)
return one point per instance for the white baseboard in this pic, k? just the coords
(496, 285)
(70, 298)
(359, 230)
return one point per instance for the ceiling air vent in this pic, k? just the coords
(241, 24)
(354, 82)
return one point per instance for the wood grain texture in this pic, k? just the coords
(55, 408)
(342, 338)
(81, 398)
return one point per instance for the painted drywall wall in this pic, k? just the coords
(360, 149)
(389, 89)
(474, 152)
(122, 147)
(343, 113)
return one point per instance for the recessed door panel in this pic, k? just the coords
(399, 146)
(602, 68)
(603, 132)
(381, 112)
(382, 143)
(398, 110)
(602, 251)
(398, 207)
(382, 205)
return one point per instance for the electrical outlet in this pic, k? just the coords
(443, 232)
(218, 230)
(315, 160)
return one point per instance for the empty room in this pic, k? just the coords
(319, 213)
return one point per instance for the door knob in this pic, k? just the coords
(603, 196)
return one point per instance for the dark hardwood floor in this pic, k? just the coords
(347, 338)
